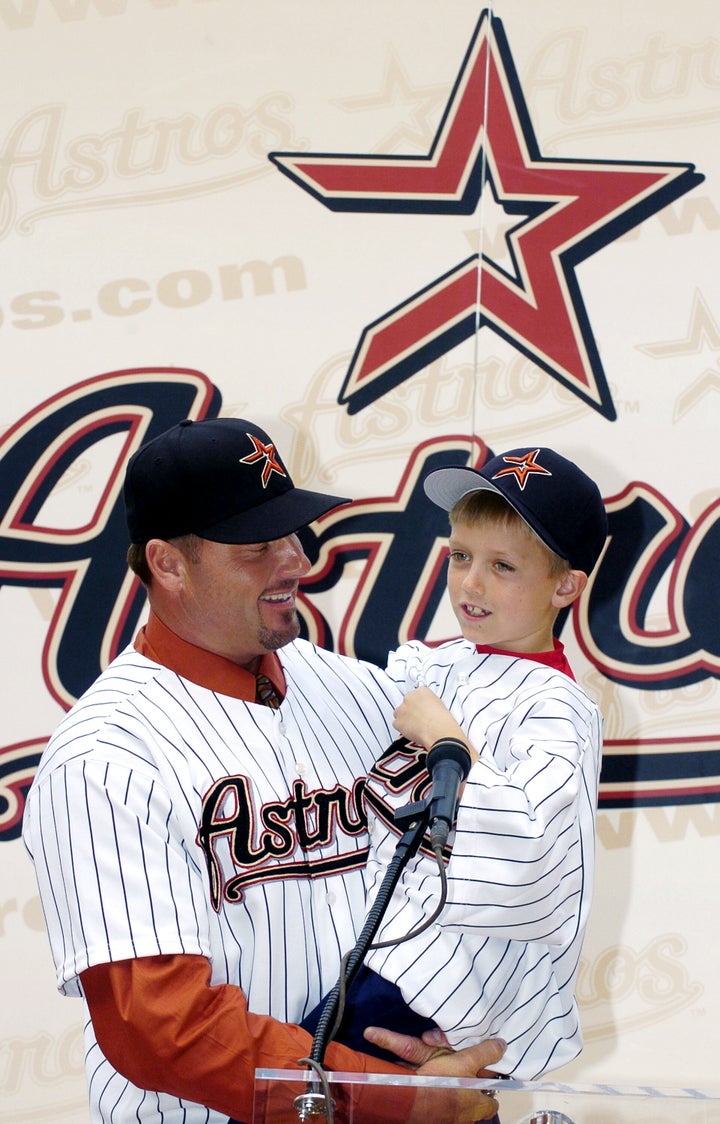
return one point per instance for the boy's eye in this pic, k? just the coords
(504, 566)
(458, 556)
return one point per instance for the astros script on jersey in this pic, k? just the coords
(210, 826)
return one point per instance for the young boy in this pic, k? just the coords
(502, 958)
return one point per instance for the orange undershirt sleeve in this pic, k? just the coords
(162, 1025)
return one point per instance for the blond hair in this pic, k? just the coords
(491, 509)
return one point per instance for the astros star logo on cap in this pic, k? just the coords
(522, 468)
(266, 453)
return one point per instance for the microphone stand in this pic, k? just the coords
(413, 819)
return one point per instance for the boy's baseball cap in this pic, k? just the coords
(556, 499)
(218, 478)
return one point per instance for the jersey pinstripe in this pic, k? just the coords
(166, 818)
(503, 957)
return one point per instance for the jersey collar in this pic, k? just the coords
(555, 658)
(159, 643)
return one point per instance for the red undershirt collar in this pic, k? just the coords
(159, 643)
(555, 658)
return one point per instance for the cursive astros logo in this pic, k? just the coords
(245, 845)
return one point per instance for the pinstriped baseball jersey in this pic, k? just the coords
(503, 957)
(166, 818)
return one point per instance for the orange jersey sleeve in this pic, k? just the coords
(162, 1025)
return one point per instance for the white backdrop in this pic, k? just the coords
(155, 261)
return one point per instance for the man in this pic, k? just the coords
(195, 822)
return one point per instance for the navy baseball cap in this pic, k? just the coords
(219, 478)
(560, 502)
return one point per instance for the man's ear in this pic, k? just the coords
(569, 588)
(167, 564)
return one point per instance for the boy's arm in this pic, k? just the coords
(525, 824)
(423, 718)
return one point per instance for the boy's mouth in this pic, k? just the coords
(475, 611)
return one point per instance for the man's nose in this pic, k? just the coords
(291, 556)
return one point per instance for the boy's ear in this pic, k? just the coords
(569, 588)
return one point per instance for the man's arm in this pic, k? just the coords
(164, 1027)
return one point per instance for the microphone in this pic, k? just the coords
(448, 764)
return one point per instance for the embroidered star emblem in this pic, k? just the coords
(264, 453)
(522, 468)
(568, 208)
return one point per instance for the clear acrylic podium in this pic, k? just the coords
(281, 1097)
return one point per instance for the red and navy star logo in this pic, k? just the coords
(522, 468)
(264, 453)
(568, 208)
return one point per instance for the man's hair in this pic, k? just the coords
(189, 545)
(490, 508)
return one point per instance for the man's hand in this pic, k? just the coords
(433, 1059)
(430, 1059)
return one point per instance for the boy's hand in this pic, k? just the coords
(423, 718)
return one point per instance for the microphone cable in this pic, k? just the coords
(342, 983)
(316, 1100)
(414, 819)
(439, 810)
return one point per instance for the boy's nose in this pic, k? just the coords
(473, 582)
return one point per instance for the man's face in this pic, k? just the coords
(501, 586)
(238, 601)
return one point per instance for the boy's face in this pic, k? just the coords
(501, 587)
